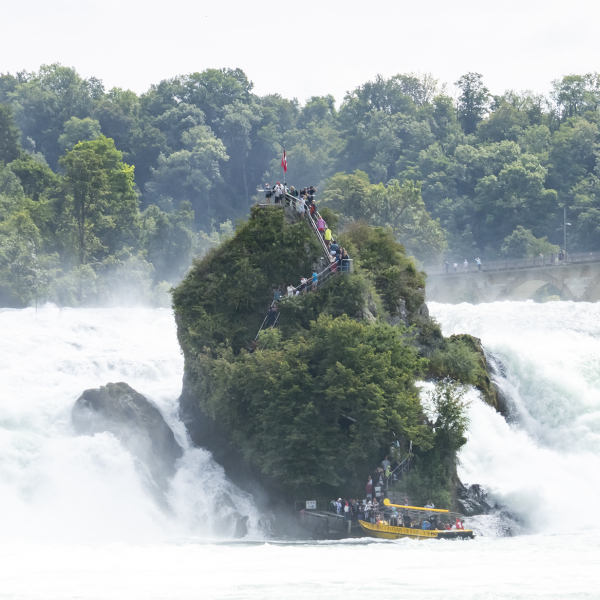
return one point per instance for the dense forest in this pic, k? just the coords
(105, 196)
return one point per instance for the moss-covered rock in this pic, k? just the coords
(320, 400)
(462, 358)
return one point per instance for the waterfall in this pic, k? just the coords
(542, 463)
(56, 485)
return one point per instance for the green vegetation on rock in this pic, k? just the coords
(322, 398)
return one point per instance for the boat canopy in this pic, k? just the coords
(386, 502)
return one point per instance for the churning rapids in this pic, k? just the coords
(76, 521)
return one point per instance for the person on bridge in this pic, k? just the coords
(455, 267)
(447, 267)
(327, 237)
(478, 261)
(466, 265)
(315, 281)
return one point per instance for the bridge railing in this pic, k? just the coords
(507, 264)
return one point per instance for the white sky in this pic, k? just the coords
(301, 49)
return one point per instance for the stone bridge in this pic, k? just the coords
(579, 282)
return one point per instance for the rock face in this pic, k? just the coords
(473, 500)
(207, 433)
(484, 380)
(135, 421)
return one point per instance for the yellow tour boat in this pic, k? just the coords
(382, 529)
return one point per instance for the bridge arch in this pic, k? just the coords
(592, 291)
(524, 286)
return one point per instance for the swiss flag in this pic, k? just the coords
(284, 162)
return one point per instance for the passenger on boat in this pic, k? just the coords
(448, 528)
(338, 506)
(406, 521)
(348, 514)
(361, 511)
(426, 525)
(394, 518)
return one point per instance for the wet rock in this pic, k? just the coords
(473, 500)
(135, 421)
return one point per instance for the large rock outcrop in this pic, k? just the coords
(135, 421)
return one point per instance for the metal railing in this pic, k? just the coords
(345, 266)
(508, 264)
(297, 205)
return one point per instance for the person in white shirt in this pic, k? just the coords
(430, 505)
(290, 290)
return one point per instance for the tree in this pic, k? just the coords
(102, 203)
(287, 404)
(473, 101)
(79, 130)
(575, 94)
(191, 174)
(399, 207)
(10, 148)
(169, 241)
(35, 176)
(521, 243)
(504, 123)
(45, 100)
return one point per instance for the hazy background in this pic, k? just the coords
(305, 49)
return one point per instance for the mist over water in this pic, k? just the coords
(77, 522)
(58, 486)
(545, 462)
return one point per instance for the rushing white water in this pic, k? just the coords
(55, 485)
(544, 465)
(76, 521)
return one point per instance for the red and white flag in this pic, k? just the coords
(284, 162)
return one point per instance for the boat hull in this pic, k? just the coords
(389, 532)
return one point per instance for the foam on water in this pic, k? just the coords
(56, 485)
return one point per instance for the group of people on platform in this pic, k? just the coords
(279, 190)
